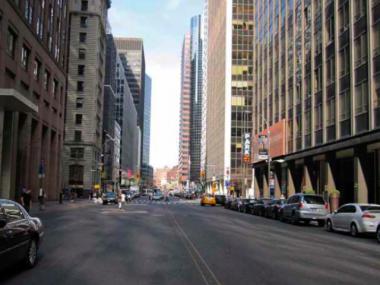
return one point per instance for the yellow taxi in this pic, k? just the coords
(208, 200)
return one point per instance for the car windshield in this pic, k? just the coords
(311, 199)
(370, 208)
(110, 194)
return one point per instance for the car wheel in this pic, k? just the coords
(202, 204)
(294, 220)
(31, 254)
(321, 223)
(354, 230)
(378, 234)
(329, 226)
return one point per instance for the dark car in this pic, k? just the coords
(20, 235)
(274, 209)
(242, 205)
(235, 204)
(228, 203)
(260, 205)
(249, 205)
(220, 199)
(109, 198)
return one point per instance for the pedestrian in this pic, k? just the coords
(120, 199)
(282, 196)
(41, 197)
(26, 198)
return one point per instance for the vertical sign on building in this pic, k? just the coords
(247, 148)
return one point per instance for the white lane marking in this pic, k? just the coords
(198, 255)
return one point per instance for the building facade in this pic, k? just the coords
(185, 111)
(229, 94)
(196, 83)
(109, 113)
(84, 108)
(127, 117)
(317, 65)
(32, 96)
(131, 51)
(146, 170)
(204, 91)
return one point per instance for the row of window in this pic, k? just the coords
(26, 63)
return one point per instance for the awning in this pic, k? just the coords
(12, 100)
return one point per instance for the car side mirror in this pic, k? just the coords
(3, 223)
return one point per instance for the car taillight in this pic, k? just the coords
(367, 215)
(326, 206)
(300, 205)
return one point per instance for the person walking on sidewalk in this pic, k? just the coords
(41, 198)
(26, 198)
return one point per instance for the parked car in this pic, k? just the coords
(378, 232)
(245, 205)
(354, 218)
(306, 208)
(109, 198)
(235, 204)
(275, 208)
(157, 196)
(248, 206)
(20, 235)
(220, 199)
(208, 200)
(260, 205)
(227, 204)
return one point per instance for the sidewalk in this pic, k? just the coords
(53, 206)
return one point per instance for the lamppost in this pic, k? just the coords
(269, 159)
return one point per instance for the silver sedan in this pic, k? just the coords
(354, 218)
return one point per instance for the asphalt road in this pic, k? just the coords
(181, 243)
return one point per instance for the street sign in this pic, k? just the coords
(247, 148)
(263, 154)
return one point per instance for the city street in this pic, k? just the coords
(183, 243)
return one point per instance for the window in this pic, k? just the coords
(361, 49)
(37, 69)
(318, 79)
(376, 39)
(82, 37)
(79, 103)
(55, 87)
(80, 86)
(11, 211)
(345, 105)
(83, 22)
(81, 69)
(84, 5)
(330, 112)
(361, 98)
(46, 80)
(318, 117)
(344, 61)
(28, 11)
(343, 17)
(82, 53)
(330, 29)
(360, 8)
(77, 136)
(78, 119)
(330, 69)
(77, 152)
(76, 174)
(25, 54)
(11, 42)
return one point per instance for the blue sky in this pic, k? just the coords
(162, 24)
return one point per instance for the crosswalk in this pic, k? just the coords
(172, 201)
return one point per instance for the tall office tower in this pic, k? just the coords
(185, 106)
(127, 117)
(109, 113)
(84, 108)
(131, 51)
(229, 94)
(32, 96)
(204, 89)
(317, 65)
(146, 173)
(196, 80)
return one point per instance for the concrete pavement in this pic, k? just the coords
(180, 243)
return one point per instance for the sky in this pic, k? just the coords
(162, 25)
